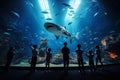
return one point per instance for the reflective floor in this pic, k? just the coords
(111, 72)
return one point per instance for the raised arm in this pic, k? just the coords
(31, 47)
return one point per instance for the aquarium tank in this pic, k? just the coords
(50, 23)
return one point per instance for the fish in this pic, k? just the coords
(69, 14)
(9, 29)
(53, 5)
(67, 5)
(45, 12)
(57, 30)
(96, 38)
(91, 42)
(94, 1)
(49, 19)
(96, 14)
(72, 11)
(6, 33)
(28, 3)
(112, 32)
(105, 13)
(77, 35)
(57, 14)
(15, 14)
(69, 23)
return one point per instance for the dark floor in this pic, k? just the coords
(110, 72)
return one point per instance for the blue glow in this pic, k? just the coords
(45, 8)
(85, 22)
(74, 5)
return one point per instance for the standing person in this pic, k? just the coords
(34, 57)
(91, 61)
(48, 57)
(65, 51)
(98, 57)
(80, 57)
(10, 55)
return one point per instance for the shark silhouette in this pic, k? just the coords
(57, 30)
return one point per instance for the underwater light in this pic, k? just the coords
(72, 10)
(45, 8)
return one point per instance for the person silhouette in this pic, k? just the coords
(65, 51)
(10, 55)
(98, 55)
(91, 61)
(48, 57)
(34, 57)
(80, 57)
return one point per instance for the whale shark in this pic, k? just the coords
(57, 30)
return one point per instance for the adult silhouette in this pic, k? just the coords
(10, 55)
(34, 57)
(65, 51)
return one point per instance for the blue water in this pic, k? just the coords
(89, 24)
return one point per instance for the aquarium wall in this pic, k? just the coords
(50, 23)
